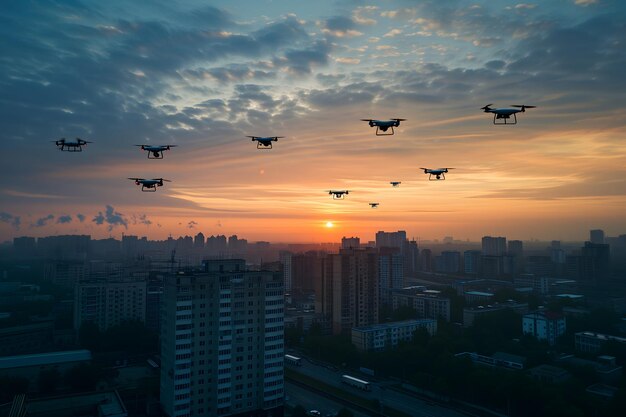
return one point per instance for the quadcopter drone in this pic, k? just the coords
(155, 152)
(395, 183)
(505, 113)
(149, 185)
(264, 142)
(439, 173)
(384, 125)
(71, 146)
(374, 205)
(338, 194)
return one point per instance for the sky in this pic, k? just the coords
(203, 75)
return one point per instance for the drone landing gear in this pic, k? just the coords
(336, 197)
(495, 117)
(148, 189)
(151, 155)
(261, 146)
(437, 177)
(378, 130)
(72, 149)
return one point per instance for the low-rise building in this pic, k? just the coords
(29, 366)
(470, 314)
(101, 404)
(427, 304)
(386, 335)
(546, 326)
(549, 373)
(591, 342)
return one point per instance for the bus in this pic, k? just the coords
(356, 382)
(293, 360)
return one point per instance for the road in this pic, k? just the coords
(296, 395)
(408, 404)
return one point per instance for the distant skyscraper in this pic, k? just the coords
(222, 342)
(350, 242)
(596, 236)
(411, 255)
(285, 258)
(109, 303)
(426, 260)
(390, 239)
(449, 262)
(390, 273)
(494, 246)
(471, 262)
(595, 261)
(198, 241)
(349, 295)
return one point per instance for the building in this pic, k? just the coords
(596, 236)
(471, 314)
(26, 338)
(390, 239)
(549, 373)
(350, 242)
(591, 342)
(199, 241)
(426, 260)
(544, 325)
(449, 262)
(222, 337)
(478, 297)
(306, 272)
(493, 246)
(101, 404)
(471, 262)
(427, 304)
(65, 273)
(497, 360)
(349, 294)
(387, 335)
(30, 366)
(285, 258)
(595, 259)
(390, 273)
(109, 303)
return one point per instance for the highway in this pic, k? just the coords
(408, 404)
(297, 395)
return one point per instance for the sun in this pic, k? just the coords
(329, 224)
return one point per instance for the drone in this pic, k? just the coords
(338, 194)
(155, 151)
(505, 113)
(439, 173)
(264, 142)
(374, 205)
(395, 183)
(149, 185)
(384, 125)
(71, 146)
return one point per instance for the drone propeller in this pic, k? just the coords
(487, 107)
(367, 120)
(136, 179)
(399, 120)
(523, 106)
(161, 179)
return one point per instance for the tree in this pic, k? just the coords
(83, 377)
(298, 411)
(344, 412)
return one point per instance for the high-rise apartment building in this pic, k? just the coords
(285, 259)
(350, 242)
(596, 236)
(390, 273)
(222, 338)
(390, 239)
(493, 246)
(471, 262)
(349, 294)
(109, 303)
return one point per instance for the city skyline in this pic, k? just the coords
(203, 77)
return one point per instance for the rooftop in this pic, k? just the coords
(394, 324)
(49, 358)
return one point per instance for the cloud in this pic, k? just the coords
(351, 61)
(8, 218)
(340, 27)
(64, 219)
(192, 224)
(392, 33)
(585, 3)
(43, 221)
(110, 217)
(140, 219)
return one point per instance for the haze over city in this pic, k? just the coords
(205, 76)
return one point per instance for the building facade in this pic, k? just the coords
(387, 335)
(546, 326)
(222, 336)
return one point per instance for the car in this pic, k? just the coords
(315, 413)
